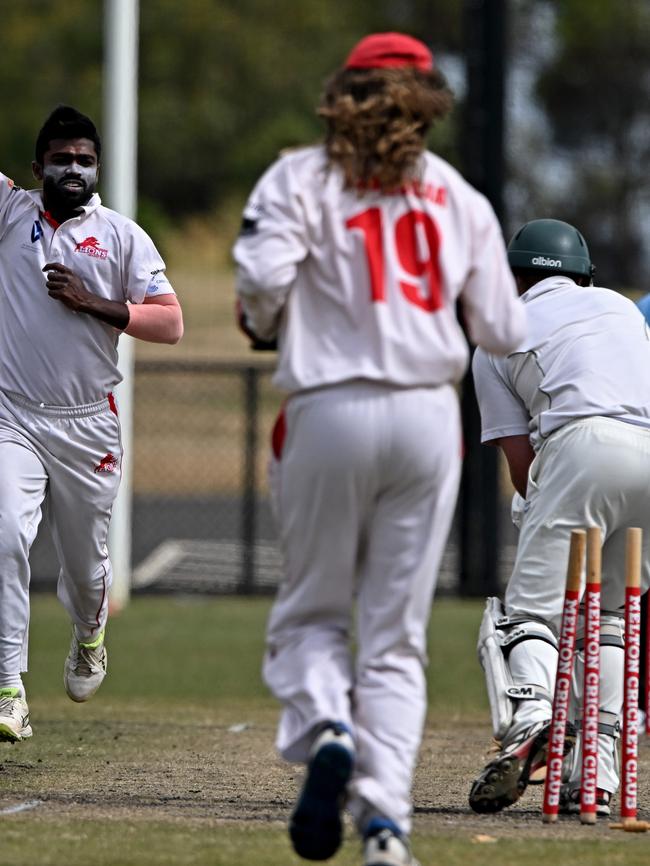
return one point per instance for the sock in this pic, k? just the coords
(378, 823)
(14, 682)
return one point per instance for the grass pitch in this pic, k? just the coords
(173, 762)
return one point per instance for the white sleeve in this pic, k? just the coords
(7, 187)
(143, 267)
(271, 242)
(493, 311)
(502, 410)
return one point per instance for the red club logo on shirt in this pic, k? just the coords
(107, 464)
(90, 246)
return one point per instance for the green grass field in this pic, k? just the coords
(173, 762)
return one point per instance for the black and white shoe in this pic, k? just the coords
(316, 827)
(570, 802)
(505, 778)
(387, 848)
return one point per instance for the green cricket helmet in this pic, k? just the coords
(550, 245)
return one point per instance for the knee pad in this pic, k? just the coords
(612, 630)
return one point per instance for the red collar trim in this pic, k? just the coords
(47, 216)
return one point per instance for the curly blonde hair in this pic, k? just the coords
(378, 120)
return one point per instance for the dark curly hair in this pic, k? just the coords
(66, 122)
(378, 120)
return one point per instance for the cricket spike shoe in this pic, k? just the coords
(522, 760)
(85, 668)
(315, 827)
(14, 716)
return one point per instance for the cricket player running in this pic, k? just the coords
(353, 254)
(73, 276)
(570, 408)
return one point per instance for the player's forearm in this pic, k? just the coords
(519, 455)
(519, 478)
(155, 323)
(115, 313)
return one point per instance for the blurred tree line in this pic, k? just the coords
(225, 84)
(587, 160)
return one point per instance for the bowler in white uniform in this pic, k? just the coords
(353, 255)
(74, 275)
(570, 408)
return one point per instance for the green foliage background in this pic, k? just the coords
(223, 84)
(595, 93)
(226, 84)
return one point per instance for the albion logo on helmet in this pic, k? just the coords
(547, 263)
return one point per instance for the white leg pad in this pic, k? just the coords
(502, 641)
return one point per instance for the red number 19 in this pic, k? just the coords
(417, 242)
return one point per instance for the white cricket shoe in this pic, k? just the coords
(387, 848)
(85, 668)
(14, 716)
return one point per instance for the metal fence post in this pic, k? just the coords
(484, 24)
(249, 479)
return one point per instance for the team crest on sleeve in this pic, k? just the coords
(91, 247)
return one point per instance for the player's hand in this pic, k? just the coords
(66, 286)
(255, 343)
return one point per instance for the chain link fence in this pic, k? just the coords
(201, 519)
(201, 516)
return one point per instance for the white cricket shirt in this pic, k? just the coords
(365, 285)
(48, 353)
(587, 352)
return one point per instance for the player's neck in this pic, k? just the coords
(60, 213)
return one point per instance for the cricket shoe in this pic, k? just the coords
(386, 847)
(14, 716)
(85, 668)
(520, 762)
(315, 827)
(570, 802)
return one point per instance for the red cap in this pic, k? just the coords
(389, 51)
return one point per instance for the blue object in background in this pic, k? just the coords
(644, 306)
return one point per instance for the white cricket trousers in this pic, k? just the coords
(591, 472)
(67, 461)
(364, 493)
